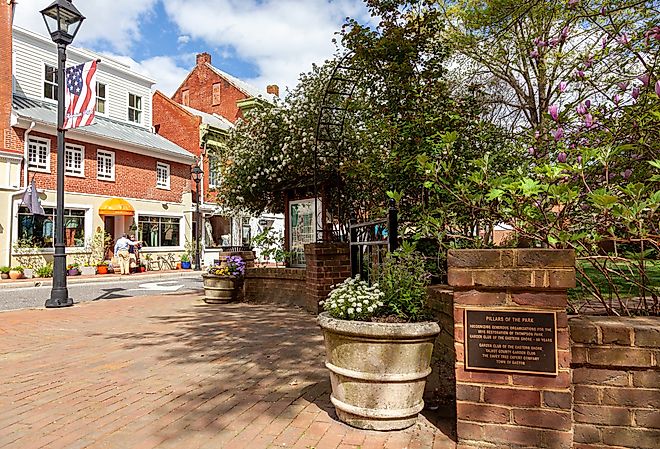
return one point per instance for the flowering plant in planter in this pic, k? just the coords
(232, 266)
(354, 299)
(222, 282)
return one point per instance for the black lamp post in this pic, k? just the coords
(197, 174)
(63, 21)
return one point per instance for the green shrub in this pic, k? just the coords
(5, 270)
(46, 271)
(17, 268)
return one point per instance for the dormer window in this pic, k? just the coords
(134, 108)
(50, 82)
(101, 106)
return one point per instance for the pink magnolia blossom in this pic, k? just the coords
(617, 98)
(588, 62)
(534, 54)
(657, 88)
(558, 134)
(579, 159)
(564, 34)
(588, 121)
(626, 174)
(561, 157)
(580, 73)
(554, 112)
(645, 79)
(603, 42)
(581, 109)
(531, 151)
(603, 11)
(623, 39)
(587, 103)
(573, 3)
(635, 93)
(552, 43)
(562, 86)
(623, 85)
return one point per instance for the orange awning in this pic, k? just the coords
(116, 207)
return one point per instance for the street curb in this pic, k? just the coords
(47, 282)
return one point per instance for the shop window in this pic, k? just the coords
(39, 230)
(159, 231)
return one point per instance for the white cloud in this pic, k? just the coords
(281, 37)
(116, 22)
(164, 69)
(183, 39)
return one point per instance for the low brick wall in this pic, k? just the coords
(277, 286)
(616, 382)
(441, 383)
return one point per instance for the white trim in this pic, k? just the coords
(166, 167)
(112, 162)
(106, 98)
(128, 108)
(75, 148)
(39, 140)
(43, 83)
(8, 155)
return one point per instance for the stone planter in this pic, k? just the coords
(378, 370)
(28, 273)
(220, 289)
(88, 271)
(73, 272)
(4, 275)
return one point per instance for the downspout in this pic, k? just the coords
(26, 136)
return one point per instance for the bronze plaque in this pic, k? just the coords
(512, 341)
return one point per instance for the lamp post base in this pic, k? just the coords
(57, 301)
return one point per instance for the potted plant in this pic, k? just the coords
(16, 272)
(222, 282)
(102, 267)
(143, 267)
(185, 261)
(88, 269)
(45, 271)
(379, 343)
(73, 269)
(4, 272)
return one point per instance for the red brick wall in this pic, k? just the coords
(5, 74)
(327, 264)
(284, 286)
(616, 381)
(199, 85)
(503, 409)
(175, 123)
(135, 175)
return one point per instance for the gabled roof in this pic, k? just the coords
(215, 120)
(46, 113)
(241, 85)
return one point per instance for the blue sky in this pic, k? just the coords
(260, 41)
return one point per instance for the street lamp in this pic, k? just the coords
(63, 21)
(197, 174)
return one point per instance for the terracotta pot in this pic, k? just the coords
(378, 370)
(15, 275)
(143, 269)
(102, 269)
(220, 289)
(178, 265)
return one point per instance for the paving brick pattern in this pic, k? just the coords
(172, 372)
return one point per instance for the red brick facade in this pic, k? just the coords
(135, 175)
(209, 92)
(6, 133)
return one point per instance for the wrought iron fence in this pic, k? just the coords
(372, 240)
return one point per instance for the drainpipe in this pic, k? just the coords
(25, 154)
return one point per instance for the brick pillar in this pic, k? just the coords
(327, 264)
(506, 409)
(5, 73)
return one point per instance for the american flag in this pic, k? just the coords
(80, 104)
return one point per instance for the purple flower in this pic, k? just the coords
(579, 159)
(537, 134)
(581, 109)
(603, 42)
(564, 34)
(554, 112)
(552, 43)
(579, 73)
(645, 78)
(617, 99)
(561, 157)
(588, 62)
(657, 88)
(626, 174)
(603, 11)
(588, 121)
(539, 43)
(587, 103)
(623, 85)
(635, 93)
(623, 39)
(573, 3)
(534, 54)
(558, 134)
(562, 86)
(531, 151)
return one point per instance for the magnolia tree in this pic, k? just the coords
(591, 180)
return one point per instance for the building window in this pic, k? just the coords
(74, 160)
(246, 232)
(39, 154)
(101, 98)
(105, 165)
(185, 98)
(162, 175)
(39, 230)
(50, 82)
(159, 231)
(134, 108)
(214, 172)
(216, 94)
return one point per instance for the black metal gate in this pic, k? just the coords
(372, 240)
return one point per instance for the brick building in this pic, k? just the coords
(198, 117)
(120, 176)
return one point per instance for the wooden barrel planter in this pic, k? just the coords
(220, 289)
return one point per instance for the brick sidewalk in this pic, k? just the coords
(172, 372)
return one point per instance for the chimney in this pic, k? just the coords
(6, 12)
(203, 58)
(273, 89)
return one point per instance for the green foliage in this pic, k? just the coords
(403, 279)
(18, 268)
(4, 270)
(185, 257)
(45, 272)
(270, 245)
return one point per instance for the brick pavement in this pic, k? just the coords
(172, 372)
